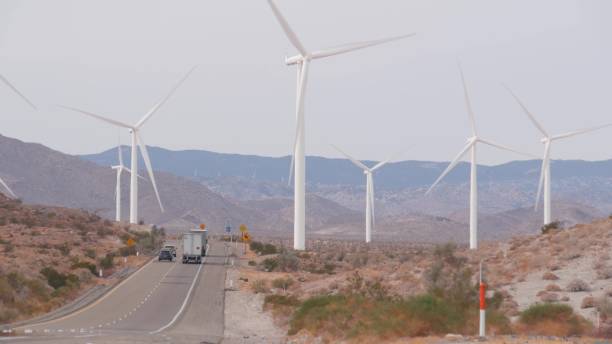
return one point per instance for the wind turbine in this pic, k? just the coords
(472, 143)
(369, 190)
(547, 140)
(8, 83)
(120, 168)
(137, 142)
(298, 161)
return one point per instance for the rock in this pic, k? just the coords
(588, 302)
(577, 285)
(453, 337)
(549, 297)
(565, 298)
(553, 287)
(549, 276)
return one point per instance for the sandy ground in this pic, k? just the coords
(525, 293)
(245, 320)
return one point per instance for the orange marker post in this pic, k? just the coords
(483, 305)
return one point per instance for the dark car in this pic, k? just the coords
(165, 254)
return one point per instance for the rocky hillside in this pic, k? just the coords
(50, 255)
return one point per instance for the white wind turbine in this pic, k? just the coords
(137, 141)
(369, 190)
(120, 168)
(472, 143)
(547, 140)
(8, 83)
(302, 60)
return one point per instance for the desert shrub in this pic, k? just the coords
(90, 253)
(86, 265)
(108, 261)
(127, 251)
(547, 228)
(288, 261)
(58, 280)
(9, 247)
(256, 246)
(252, 263)
(269, 264)
(283, 283)
(577, 285)
(349, 316)
(64, 249)
(260, 286)
(282, 300)
(263, 249)
(552, 319)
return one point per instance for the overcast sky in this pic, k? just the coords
(120, 57)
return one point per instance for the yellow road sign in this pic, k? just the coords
(243, 228)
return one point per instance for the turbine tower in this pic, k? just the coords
(119, 168)
(472, 143)
(8, 83)
(137, 141)
(298, 161)
(369, 190)
(547, 140)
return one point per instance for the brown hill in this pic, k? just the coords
(50, 255)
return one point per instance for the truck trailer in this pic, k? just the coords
(195, 243)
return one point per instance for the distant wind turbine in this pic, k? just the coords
(472, 143)
(8, 83)
(298, 161)
(120, 168)
(547, 140)
(369, 190)
(137, 141)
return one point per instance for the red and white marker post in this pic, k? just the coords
(483, 305)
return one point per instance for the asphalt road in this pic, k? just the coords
(163, 302)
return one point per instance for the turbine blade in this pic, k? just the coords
(288, 31)
(468, 104)
(342, 49)
(147, 160)
(102, 118)
(529, 114)
(496, 145)
(579, 132)
(383, 163)
(163, 101)
(8, 83)
(130, 171)
(354, 161)
(545, 162)
(7, 188)
(451, 166)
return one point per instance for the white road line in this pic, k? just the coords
(195, 278)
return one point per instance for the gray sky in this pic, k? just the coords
(120, 57)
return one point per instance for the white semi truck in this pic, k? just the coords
(195, 244)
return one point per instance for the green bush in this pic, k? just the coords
(538, 317)
(108, 261)
(283, 283)
(269, 264)
(58, 280)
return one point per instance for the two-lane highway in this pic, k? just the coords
(164, 301)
